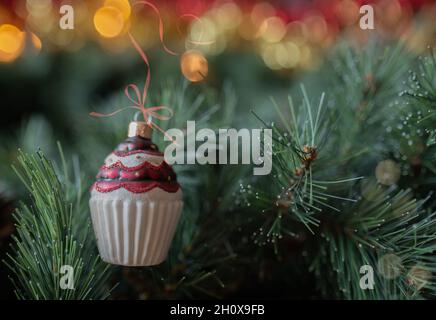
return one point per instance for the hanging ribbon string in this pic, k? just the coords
(132, 91)
(161, 27)
(138, 99)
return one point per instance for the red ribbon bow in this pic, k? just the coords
(139, 99)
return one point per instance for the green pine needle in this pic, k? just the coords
(52, 232)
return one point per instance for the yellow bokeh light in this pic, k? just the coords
(269, 57)
(281, 55)
(39, 8)
(273, 29)
(194, 66)
(293, 55)
(109, 21)
(228, 15)
(5, 57)
(122, 5)
(307, 59)
(203, 30)
(11, 38)
(11, 42)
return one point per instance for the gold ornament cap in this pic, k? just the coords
(141, 129)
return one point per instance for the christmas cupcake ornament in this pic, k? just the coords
(136, 202)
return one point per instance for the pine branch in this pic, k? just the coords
(363, 84)
(52, 233)
(412, 132)
(295, 189)
(387, 230)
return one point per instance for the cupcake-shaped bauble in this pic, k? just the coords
(136, 202)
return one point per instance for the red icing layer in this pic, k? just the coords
(144, 171)
(140, 178)
(135, 186)
(145, 164)
(123, 154)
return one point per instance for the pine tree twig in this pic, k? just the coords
(47, 239)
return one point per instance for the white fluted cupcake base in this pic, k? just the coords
(134, 230)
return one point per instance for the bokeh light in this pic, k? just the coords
(122, 5)
(316, 28)
(347, 11)
(109, 22)
(39, 7)
(293, 54)
(36, 41)
(41, 16)
(12, 42)
(261, 11)
(272, 29)
(387, 172)
(194, 66)
(419, 277)
(203, 30)
(228, 15)
(390, 266)
(303, 31)
(269, 56)
(297, 32)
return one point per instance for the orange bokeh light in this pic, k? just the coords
(11, 42)
(36, 41)
(194, 66)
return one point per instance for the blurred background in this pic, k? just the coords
(51, 78)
